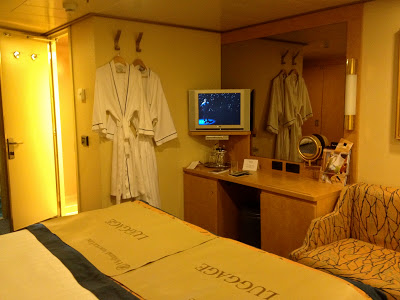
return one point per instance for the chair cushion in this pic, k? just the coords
(358, 260)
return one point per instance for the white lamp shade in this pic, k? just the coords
(351, 94)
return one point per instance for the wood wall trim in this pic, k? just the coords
(331, 16)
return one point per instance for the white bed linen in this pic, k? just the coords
(29, 271)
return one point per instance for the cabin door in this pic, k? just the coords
(28, 130)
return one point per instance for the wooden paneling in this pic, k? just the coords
(314, 76)
(326, 85)
(200, 202)
(331, 16)
(332, 118)
(284, 222)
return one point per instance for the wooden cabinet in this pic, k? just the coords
(288, 204)
(285, 220)
(212, 204)
(201, 200)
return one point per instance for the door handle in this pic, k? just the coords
(10, 147)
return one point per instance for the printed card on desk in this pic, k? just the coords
(250, 165)
(193, 164)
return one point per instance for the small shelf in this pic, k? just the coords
(219, 132)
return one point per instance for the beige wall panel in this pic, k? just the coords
(67, 109)
(184, 59)
(379, 151)
(83, 60)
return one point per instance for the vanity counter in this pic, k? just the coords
(288, 204)
(277, 182)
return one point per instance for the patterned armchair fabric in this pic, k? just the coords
(360, 239)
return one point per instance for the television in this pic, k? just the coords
(219, 109)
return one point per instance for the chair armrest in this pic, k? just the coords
(322, 231)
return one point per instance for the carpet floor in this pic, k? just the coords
(4, 226)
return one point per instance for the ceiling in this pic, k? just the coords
(44, 16)
(324, 42)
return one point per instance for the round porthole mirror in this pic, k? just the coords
(310, 147)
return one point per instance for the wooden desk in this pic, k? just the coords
(288, 203)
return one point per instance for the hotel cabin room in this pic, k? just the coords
(186, 56)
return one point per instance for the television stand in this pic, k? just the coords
(220, 132)
(217, 137)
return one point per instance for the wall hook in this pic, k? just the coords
(116, 40)
(283, 57)
(294, 58)
(139, 38)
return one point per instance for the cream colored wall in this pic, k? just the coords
(67, 116)
(379, 151)
(84, 68)
(184, 59)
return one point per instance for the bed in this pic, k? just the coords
(135, 251)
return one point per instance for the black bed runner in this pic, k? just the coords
(84, 272)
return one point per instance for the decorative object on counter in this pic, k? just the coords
(311, 147)
(350, 94)
(217, 158)
(335, 164)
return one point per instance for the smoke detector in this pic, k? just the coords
(69, 5)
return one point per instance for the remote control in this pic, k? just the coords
(240, 173)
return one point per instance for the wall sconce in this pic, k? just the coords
(351, 94)
(16, 54)
(34, 56)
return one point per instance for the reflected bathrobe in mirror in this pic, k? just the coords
(297, 110)
(121, 114)
(164, 131)
(276, 118)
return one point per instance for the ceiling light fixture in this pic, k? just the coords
(16, 54)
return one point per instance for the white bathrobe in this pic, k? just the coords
(297, 110)
(164, 131)
(120, 114)
(276, 120)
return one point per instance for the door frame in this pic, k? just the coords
(5, 201)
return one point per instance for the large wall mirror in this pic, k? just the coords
(317, 54)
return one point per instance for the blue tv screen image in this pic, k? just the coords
(219, 108)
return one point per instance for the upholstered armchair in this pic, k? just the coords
(360, 239)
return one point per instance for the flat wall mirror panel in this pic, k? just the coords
(318, 55)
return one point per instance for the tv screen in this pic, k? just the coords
(219, 108)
